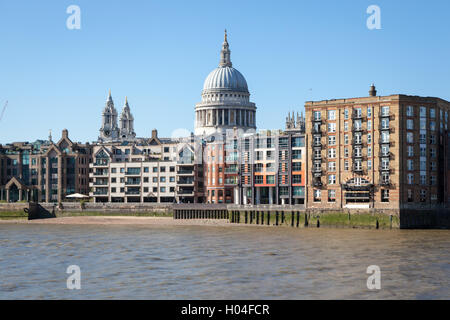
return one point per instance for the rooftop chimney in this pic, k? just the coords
(373, 91)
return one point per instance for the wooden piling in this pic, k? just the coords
(282, 217)
(268, 218)
(276, 217)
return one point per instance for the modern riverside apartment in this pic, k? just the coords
(44, 171)
(262, 168)
(382, 152)
(143, 170)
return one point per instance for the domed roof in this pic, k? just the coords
(227, 79)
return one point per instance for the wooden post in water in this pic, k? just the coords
(282, 217)
(246, 217)
(292, 218)
(251, 216)
(257, 217)
(306, 220)
(268, 218)
(276, 217)
(239, 217)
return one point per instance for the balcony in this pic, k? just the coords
(384, 128)
(132, 183)
(358, 170)
(358, 129)
(317, 183)
(103, 173)
(231, 182)
(317, 156)
(133, 173)
(185, 172)
(317, 120)
(387, 170)
(231, 170)
(357, 116)
(316, 131)
(100, 183)
(389, 155)
(390, 143)
(389, 115)
(359, 156)
(101, 164)
(358, 142)
(316, 144)
(185, 182)
(133, 192)
(317, 173)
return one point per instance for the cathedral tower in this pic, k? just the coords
(109, 130)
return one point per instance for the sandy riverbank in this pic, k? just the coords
(119, 220)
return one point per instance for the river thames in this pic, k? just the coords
(201, 262)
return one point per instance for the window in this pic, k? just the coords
(432, 152)
(163, 189)
(162, 179)
(410, 151)
(432, 113)
(410, 164)
(410, 124)
(422, 138)
(332, 166)
(155, 169)
(332, 127)
(331, 114)
(423, 165)
(345, 138)
(296, 166)
(317, 115)
(155, 179)
(369, 112)
(385, 137)
(385, 123)
(345, 152)
(331, 140)
(385, 195)
(432, 125)
(410, 178)
(296, 178)
(423, 179)
(410, 195)
(369, 151)
(346, 167)
(432, 139)
(433, 166)
(423, 151)
(423, 195)
(332, 179)
(369, 164)
(316, 195)
(409, 137)
(346, 126)
(332, 153)
(346, 114)
(369, 124)
(385, 111)
(433, 180)
(423, 112)
(409, 111)
(369, 138)
(331, 195)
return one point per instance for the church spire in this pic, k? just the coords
(225, 60)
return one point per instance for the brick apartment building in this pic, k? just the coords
(382, 152)
(44, 171)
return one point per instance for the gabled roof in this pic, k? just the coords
(17, 182)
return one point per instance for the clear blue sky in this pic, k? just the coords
(158, 53)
